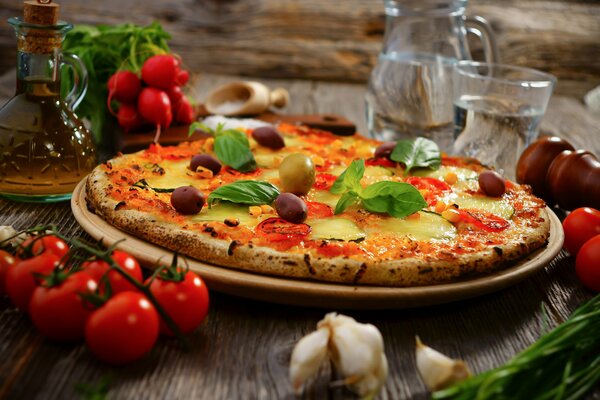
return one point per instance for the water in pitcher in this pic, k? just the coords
(410, 95)
(494, 129)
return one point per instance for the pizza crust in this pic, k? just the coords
(411, 271)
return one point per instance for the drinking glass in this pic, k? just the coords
(410, 89)
(497, 111)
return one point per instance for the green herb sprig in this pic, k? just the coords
(231, 146)
(562, 364)
(248, 192)
(420, 152)
(104, 50)
(397, 199)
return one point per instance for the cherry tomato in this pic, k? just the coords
(324, 181)
(186, 302)
(580, 226)
(20, 279)
(433, 187)
(483, 220)
(59, 312)
(118, 283)
(123, 329)
(48, 243)
(318, 210)
(278, 230)
(587, 264)
(6, 262)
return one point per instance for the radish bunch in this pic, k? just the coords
(155, 99)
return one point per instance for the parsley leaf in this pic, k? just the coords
(419, 152)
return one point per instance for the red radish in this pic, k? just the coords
(175, 94)
(160, 71)
(129, 118)
(182, 77)
(155, 106)
(124, 86)
(183, 111)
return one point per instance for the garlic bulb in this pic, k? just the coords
(437, 370)
(7, 231)
(356, 350)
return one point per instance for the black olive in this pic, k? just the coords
(187, 200)
(291, 208)
(385, 150)
(267, 136)
(206, 161)
(492, 183)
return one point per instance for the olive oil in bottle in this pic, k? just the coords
(45, 150)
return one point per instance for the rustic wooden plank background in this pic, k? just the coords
(337, 40)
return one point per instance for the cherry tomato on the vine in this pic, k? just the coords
(587, 264)
(186, 301)
(118, 283)
(123, 329)
(59, 312)
(21, 280)
(50, 243)
(6, 262)
(580, 225)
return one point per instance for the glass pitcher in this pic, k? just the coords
(410, 89)
(45, 150)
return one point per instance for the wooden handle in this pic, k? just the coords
(279, 97)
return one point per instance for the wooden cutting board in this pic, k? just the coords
(130, 142)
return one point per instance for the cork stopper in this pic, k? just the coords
(43, 13)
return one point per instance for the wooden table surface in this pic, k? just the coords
(242, 349)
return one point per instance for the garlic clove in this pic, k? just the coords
(307, 357)
(437, 370)
(357, 351)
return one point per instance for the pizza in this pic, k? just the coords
(297, 202)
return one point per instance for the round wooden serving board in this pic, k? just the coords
(319, 294)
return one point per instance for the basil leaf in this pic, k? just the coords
(194, 126)
(420, 152)
(346, 201)
(232, 149)
(350, 178)
(398, 199)
(249, 192)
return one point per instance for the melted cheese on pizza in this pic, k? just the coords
(354, 233)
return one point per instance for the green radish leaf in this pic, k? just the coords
(105, 50)
(347, 199)
(350, 178)
(420, 152)
(249, 192)
(397, 199)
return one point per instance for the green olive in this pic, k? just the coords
(297, 174)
